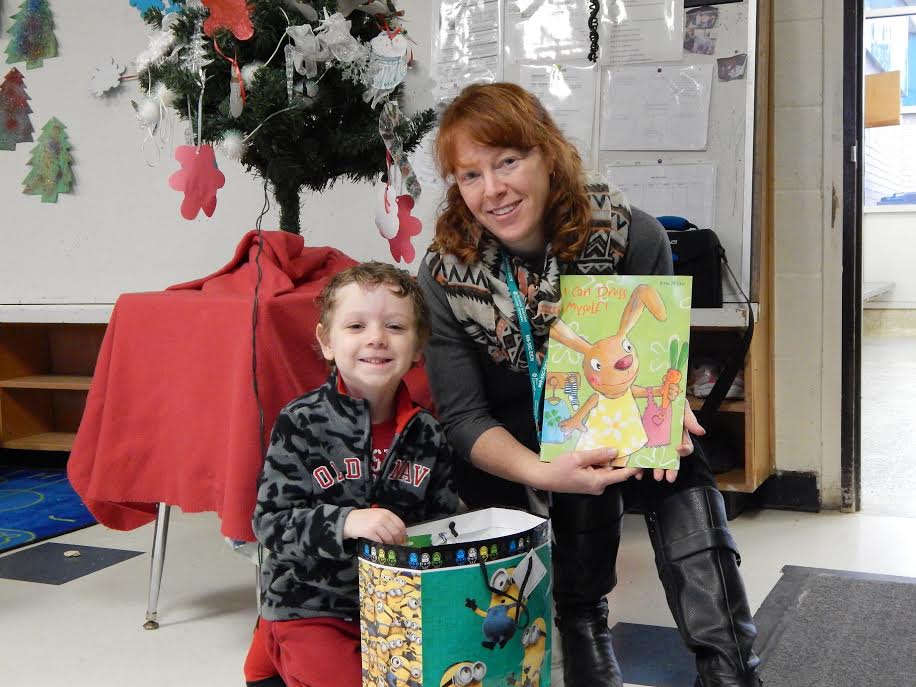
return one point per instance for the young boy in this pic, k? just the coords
(329, 475)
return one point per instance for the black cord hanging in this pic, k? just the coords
(594, 7)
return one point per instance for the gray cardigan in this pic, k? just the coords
(473, 393)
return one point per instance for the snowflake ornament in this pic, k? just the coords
(105, 77)
(199, 179)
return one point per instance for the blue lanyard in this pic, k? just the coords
(537, 373)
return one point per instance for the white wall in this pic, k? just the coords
(886, 256)
(121, 230)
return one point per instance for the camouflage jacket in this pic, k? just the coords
(316, 471)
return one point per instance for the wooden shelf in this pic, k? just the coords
(46, 441)
(727, 406)
(60, 382)
(45, 373)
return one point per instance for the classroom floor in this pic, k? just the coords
(88, 632)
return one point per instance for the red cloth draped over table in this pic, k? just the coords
(171, 415)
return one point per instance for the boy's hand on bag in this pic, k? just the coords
(585, 472)
(377, 524)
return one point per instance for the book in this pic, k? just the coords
(617, 368)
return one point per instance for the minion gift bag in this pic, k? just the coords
(466, 603)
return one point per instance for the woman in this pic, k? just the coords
(518, 205)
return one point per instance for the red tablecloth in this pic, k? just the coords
(171, 414)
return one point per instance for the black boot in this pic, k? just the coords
(698, 562)
(586, 538)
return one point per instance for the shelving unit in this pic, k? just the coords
(714, 333)
(45, 372)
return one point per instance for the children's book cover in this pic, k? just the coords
(616, 368)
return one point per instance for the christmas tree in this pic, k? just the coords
(50, 162)
(307, 117)
(14, 111)
(32, 34)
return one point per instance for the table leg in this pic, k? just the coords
(160, 534)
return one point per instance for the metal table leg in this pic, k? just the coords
(160, 534)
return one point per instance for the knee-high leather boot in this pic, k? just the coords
(586, 539)
(698, 562)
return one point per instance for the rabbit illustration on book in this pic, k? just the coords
(610, 416)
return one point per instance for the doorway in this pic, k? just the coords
(879, 301)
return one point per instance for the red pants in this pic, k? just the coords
(258, 664)
(316, 652)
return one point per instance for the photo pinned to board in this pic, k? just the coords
(699, 36)
(732, 68)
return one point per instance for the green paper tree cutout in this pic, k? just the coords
(15, 125)
(32, 34)
(50, 162)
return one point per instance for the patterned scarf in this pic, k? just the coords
(479, 296)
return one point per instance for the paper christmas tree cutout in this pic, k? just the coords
(50, 162)
(32, 34)
(15, 126)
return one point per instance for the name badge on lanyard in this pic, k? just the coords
(536, 373)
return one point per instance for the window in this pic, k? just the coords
(889, 152)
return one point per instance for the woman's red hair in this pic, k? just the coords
(505, 115)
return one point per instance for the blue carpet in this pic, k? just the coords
(36, 505)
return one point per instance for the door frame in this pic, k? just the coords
(853, 127)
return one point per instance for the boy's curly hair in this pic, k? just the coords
(372, 274)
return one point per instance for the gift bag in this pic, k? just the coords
(467, 602)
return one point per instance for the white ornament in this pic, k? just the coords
(387, 61)
(386, 211)
(233, 145)
(163, 94)
(149, 112)
(248, 72)
(419, 88)
(236, 104)
(311, 88)
(105, 77)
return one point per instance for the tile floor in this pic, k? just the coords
(89, 632)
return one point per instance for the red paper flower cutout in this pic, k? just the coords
(409, 226)
(234, 15)
(198, 178)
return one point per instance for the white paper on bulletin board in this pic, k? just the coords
(467, 48)
(683, 189)
(642, 31)
(547, 30)
(566, 91)
(657, 107)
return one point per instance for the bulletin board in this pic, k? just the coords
(704, 162)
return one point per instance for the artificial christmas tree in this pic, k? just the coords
(299, 101)
(51, 163)
(32, 34)
(15, 126)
